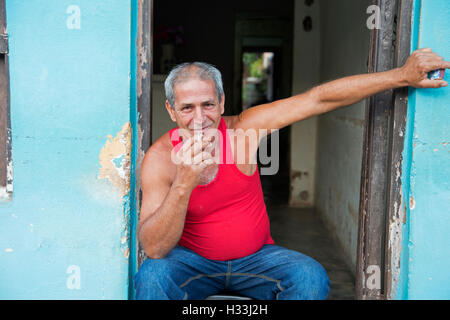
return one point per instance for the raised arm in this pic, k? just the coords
(165, 202)
(163, 207)
(344, 92)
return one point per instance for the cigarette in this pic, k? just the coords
(198, 132)
(198, 135)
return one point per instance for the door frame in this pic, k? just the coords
(144, 72)
(6, 183)
(382, 207)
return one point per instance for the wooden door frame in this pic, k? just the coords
(382, 208)
(5, 118)
(144, 73)
(381, 203)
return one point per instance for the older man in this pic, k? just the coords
(203, 223)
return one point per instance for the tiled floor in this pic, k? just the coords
(302, 230)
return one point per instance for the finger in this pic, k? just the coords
(424, 50)
(191, 148)
(196, 146)
(436, 65)
(207, 163)
(433, 83)
(211, 132)
(187, 144)
(430, 55)
(184, 134)
(209, 137)
(199, 147)
(201, 157)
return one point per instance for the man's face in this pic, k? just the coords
(196, 105)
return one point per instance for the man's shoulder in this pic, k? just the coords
(230, 121)
(158, 156)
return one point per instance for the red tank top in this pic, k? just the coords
(226, 219)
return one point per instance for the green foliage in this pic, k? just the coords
(253, 62)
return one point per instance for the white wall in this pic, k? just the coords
(326, 151)
(344, 52)
(306, 72)
(161, 122)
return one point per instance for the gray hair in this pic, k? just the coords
(188, 70)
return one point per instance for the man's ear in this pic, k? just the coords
(222, 104)
(170, 111)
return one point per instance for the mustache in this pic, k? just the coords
(199, 126)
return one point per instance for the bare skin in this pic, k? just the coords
(167, 185)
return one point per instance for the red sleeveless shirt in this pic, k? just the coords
(227, 218)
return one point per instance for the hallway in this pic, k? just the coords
(302, 230)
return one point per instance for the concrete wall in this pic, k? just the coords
(305, 75)
(425, 261)
(64, 234)
(161, 122)
(344, 51)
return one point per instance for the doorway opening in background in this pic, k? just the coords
(261, 27)
(257, 78)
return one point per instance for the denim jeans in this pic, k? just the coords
(271, 273)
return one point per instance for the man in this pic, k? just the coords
(203, 222)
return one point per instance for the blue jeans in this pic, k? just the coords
(271, 273)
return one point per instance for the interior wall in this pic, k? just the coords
(161, 122)
(305, 75)
(344, 52)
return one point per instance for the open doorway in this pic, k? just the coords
(259, 34)
(318, 49)
(261, 74)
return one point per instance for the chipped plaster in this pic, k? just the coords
(115, 160)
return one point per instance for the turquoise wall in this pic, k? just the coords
(425, 261)
(64, 234)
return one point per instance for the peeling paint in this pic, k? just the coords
(142, 60)
(125, 237)
(126, 253)
(4, 195)
(9, 177)
(115, 160)
(412, 203)
(395, 242)
(6, 191)
(298, 174)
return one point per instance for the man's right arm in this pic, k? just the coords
(163, 208)
(165, 202)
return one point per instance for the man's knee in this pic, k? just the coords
(152, 281)
(150, 270)
(310, 280)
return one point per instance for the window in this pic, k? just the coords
(5, 124)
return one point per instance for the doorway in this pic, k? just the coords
(217, 45)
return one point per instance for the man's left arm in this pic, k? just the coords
(344, 92)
